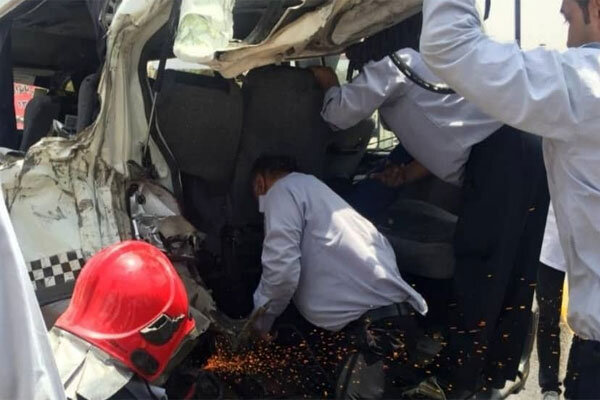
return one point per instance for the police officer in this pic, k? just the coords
(340, 272)
(557, 96)
(501, 219)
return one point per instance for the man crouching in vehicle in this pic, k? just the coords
(339, 270)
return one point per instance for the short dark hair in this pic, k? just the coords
(584, 4)
(273, 164)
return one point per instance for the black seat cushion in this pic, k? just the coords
(347, 149)
(201, 119)
(88, 103)
(39, 114)
(422, 236)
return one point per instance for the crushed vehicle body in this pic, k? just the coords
(83, 176)
(166, 158)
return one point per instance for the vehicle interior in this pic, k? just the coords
(212, 130)
(65, 64)
(276, 110)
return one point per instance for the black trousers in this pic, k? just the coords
(497, 245)
(549, 293)
(583, 370)
(361, 361)
(375, 349)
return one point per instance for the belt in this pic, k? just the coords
(393, 310)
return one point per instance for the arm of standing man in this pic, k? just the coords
(545, 92)
(280, 257)
(347, 105)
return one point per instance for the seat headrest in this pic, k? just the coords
(201, 120)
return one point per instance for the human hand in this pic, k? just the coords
(392, 176)
(247, 331)
(267, 337)
(326, 77)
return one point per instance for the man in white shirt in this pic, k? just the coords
(340, 272)
(557, 96)
(427, 124)
(501, 222)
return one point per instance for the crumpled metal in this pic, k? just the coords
(156, 218)
(84, 369)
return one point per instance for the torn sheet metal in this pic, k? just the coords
(205, 27)
(64, 199)
(354, 25)
(156, 219)
(291, 39)
(68, 194)
(326, 30)
(149, 205)
(7, 6)
(85, 370)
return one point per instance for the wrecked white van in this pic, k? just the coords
(165, 157)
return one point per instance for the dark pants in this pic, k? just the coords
(583, 370)
(549, 292)
(358, 359)
(497, 246)
(375, 348)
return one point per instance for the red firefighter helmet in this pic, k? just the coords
(130, 302)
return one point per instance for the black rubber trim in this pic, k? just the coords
(416, 78)
(488, 9)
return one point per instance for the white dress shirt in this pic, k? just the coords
(437, 130)
(552, 254)
(27, 369)
(555, 95)
(319, 251)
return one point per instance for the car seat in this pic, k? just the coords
(422, 236)
(200, 118)
(281, 116)
(39, 114)
(347, 148)
(88, 104)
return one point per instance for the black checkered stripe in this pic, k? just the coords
(55, 270)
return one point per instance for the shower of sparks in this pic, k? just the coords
(299, 366)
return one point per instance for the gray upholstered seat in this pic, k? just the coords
(201, 119)
(422, 236)
(347, 148)
(281, 116)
